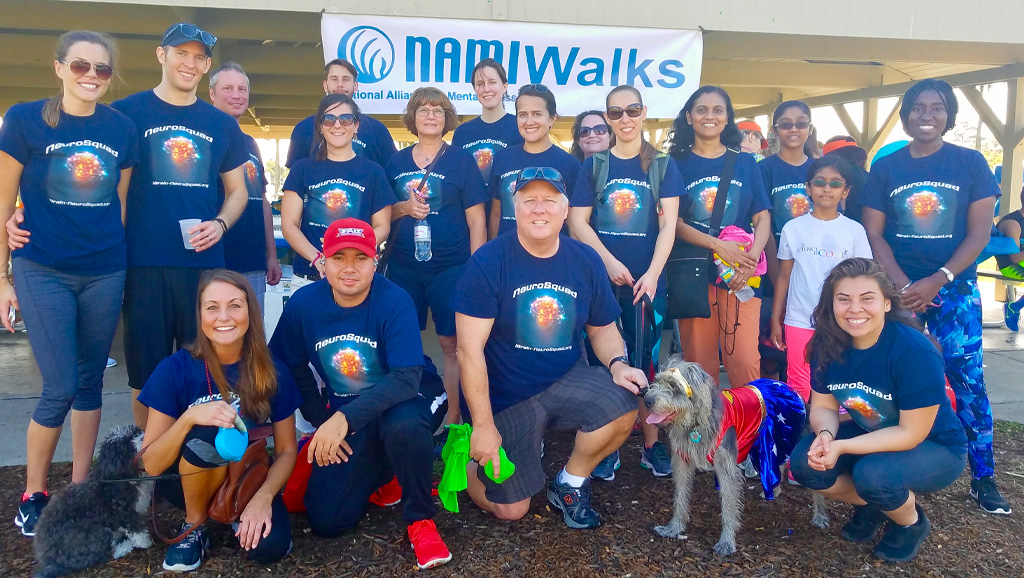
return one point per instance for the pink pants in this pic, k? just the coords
(798, 369)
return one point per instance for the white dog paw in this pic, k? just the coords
(670, 531)
(141, 540)
(121, 549)
(820, 521)
(724, 548)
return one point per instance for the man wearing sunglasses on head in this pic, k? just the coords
(374, 141)
(521, 308)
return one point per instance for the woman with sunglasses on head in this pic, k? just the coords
(701, 135)
(71, 158)
(494, 130)
(446, 211)
(535, 115)
(632, 228)
(927, 209)
(589, 134)
(227, 374)
(333, 184)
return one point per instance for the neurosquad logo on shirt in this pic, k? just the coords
(483, 152)
(406, 185)
(925, 209)
(350, 361)
(179, 156)
(790, 201)
(545, 317)
(253, 183)
(81, 174)
(704, 192)
(622, 208)
(869, 407)
(331, 200)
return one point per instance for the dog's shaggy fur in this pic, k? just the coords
(688, 398)
(95, 521)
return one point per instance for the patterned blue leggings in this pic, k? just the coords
(956, 324)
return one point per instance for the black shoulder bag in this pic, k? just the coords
(389, 245)
(688, 270)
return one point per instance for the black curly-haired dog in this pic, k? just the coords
(96, 521)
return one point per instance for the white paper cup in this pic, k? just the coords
(185, 225)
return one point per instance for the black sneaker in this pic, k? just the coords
(900, 544)
(28, 513)
(187, 555)
(657, 460)
(986, 493)
(863, 524)
(574, 503)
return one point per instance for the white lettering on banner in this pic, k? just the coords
(184, 129)
(393, 55)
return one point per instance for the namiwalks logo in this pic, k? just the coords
(370, 51)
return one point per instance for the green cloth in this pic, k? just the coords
(456, 457)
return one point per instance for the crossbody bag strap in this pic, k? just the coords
(390, 245)
(720, 199)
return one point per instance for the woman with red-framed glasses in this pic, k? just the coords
(71, 158)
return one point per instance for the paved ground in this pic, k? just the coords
(20, 382)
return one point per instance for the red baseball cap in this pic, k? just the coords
(350, 233)
(836, 145)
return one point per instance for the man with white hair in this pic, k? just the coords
(522, 306)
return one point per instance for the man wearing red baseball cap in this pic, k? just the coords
(361, 334)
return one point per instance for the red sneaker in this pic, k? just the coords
(430, 549)
(387, 495)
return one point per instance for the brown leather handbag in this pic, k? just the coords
(245, 478)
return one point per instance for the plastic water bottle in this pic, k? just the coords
(421, 235)
(726, 273)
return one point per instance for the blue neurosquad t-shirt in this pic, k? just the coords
(453, 186)
(351, 348)
(925, 201)
(625, 215)
(786, 186)
(540, 308)
(182, 152)
(747, 195)
(245, 243)
(373, 140)
(180, 381)
(902, 371)
(505, 171)
(332, 190)
(484, 140)
(69, 185)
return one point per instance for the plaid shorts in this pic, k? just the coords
(584, 399)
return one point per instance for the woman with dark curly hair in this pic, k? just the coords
(590, 134)
(869, 356)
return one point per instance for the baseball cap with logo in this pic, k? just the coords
(350, 233)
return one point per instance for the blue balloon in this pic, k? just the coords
(231, 443)
(889, 149)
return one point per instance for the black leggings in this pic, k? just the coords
(884, 479)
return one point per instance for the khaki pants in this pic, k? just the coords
(734, 331)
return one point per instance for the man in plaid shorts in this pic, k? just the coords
(522, 306)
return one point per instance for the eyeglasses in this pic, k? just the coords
(534, 87)
(190, 31)
(833, 184)
(82, 67)
(800, 125)
(345, 119)
(598, 129)
(544, 172)
(434, 112)
(632, 111)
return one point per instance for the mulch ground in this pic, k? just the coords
(776, 540)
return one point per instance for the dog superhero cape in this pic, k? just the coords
(768, 418)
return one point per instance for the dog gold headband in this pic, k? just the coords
(686, 386)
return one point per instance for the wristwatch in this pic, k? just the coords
(949, 274)
(621, 358)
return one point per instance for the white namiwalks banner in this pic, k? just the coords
(580, 64)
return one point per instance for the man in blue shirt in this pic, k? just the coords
(522, 306)
(244, 248)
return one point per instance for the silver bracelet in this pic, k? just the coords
(905, 287)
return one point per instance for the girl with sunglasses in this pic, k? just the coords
(590, 134)
(535, 115)
(452, 204)
(494, 130)
(834, 238)
(701, 134)
(71, 158)
(335, 183)
(633, 232)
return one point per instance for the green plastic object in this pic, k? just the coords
(456, 457)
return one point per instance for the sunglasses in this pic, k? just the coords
(801, 125)
(345, 119)
(543, 172)
(598, 129)
(534, 87)
(190, 31)
(834, 184)
(82, 67)
(632, 111)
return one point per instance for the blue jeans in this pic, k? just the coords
(71, 321)
(884, 479)
(956, 324)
